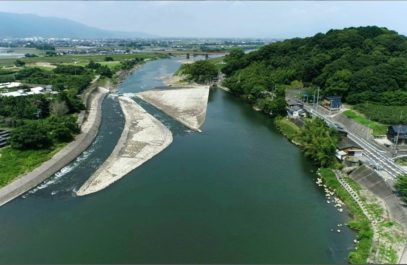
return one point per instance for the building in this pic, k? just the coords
(332, 102)
(397, 133)
(348, 151)
(294, 102)
(36, 90)
(295, 112)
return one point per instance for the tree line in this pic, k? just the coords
(360, 64)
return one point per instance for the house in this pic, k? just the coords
(338, 128)
(295, 112)
(348, 151)
(397, 133)
(332, 102)
(293, 102)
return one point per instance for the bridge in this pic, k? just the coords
(188, 54)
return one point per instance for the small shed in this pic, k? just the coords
(347, 149)
(294, 102)
(295, 112)
(397, 133)
(332, 102)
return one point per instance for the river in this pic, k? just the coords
(238, 192)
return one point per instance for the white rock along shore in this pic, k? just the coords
(142, 138)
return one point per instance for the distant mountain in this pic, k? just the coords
(28, 25)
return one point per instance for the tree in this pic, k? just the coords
(59, 108)
(30, 136)
(109, 59)
(200, 71)
(93, 65)
(104, 71)
(62, 135)
(319, 142)
(401, 187)
(19, 63)
(360, 64)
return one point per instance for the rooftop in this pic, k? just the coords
(345, 143)
(399, 128)
(333, 97)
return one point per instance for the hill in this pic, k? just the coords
(27, 25)
(360, 64)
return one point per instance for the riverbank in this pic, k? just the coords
(89, 130)
(143, 137)
(380, 238)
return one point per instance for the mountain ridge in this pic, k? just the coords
(16, 25)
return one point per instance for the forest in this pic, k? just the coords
(41, 121)
(363, 64)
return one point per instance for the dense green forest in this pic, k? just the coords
(360, 64)
(200, 71)
(40, 121)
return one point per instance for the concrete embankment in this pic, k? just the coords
(187, 104)
(89, 130)
(369, 179)
(142, 138)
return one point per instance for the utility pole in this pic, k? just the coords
(313, 101)
(398, 135)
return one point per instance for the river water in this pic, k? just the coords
(238, 192)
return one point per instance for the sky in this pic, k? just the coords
(229, 19)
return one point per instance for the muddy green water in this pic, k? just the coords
(238, 192)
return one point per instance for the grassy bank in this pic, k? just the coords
(402, 161)
(359, 221)
(287, 128)
(378, 128)
(14, 163)
(79, 59)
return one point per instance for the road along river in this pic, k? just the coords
(238, 192)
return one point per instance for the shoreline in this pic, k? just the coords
(143, 137)
(364, 187)
(89, 131)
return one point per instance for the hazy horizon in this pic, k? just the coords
(221, 19)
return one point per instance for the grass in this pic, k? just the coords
(402, 161)
(79, 59)
(359, 221)
(383, 114)
(378, 128)
(388, 253)
(287, 128)
(218, 61)
(14, 163)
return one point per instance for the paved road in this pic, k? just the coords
(380, 158)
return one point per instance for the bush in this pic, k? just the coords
(30, 136)
(62, 135)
